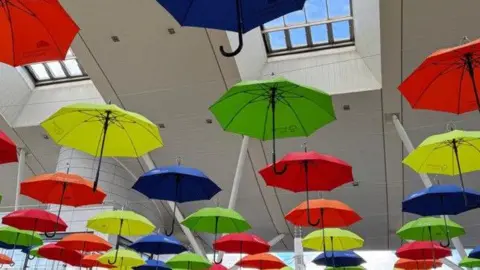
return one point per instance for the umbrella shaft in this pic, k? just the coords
(471, 72)
(104, 136)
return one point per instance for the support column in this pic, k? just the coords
(298, 249)
(20, 175)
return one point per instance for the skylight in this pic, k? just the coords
(57, 71)
(322, 24)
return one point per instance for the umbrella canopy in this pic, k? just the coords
(57, 253)
(19, 238)
(178, 184)
(32, 252)
(43, 32)
(261, 261)
(451, 153)
(153, 265)
(8, 149)
(35, 220)
(189, 261)
(240, 16)
(122, 258)
(475, 253)
(446, 81)
(91, 261)
(217, 267)
(422, 250)
(441, 200)
(469, 262)
(158, 244)
(332, 239)
(339, 259)
(346, 268)
(4, 259)
(407, 264)
(328, 213)
(241, 243)
(129, 134)
(431, 229)
(121, 222)
(84, 242)
(272, 109)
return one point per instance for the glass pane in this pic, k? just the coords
(73, 68)
(298, 37)
(39, 72)
(278, 22)
(316, 10)
(296, 17)
(341, 31)
(319, 34)
(277, 40)
(56, 70)
(338, 8)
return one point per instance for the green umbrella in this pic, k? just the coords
(15, 237)
(469, 262)
(216, 220)
(430, 228)
(189, 261)
(258, 108)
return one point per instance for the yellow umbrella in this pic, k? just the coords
(121, 222)
(122, 259)
(332, 239)
(103, 130)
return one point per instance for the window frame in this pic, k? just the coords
(310, 46)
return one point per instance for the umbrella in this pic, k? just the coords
(62, 189)
(35, 220)
(430, 228)
(346, 268)
(158, 244)
(120, 222)
(129, 134)
(4, 259)
(13, 238)
(189, 261)
(469, 262)
(153, 265)
(328, 213)
(91, 261)
(423, 250)
(216, 220)
(8, 149)
(333, 239)
(241, 243)
(339, 259)
(34, 31)
(240, 16)
(475, 253)
(451, 153)
(84, 242)
(272, 109)
(216, 266)
(408, 264)
(57, 253)
(261, 261)
(122, 258)
(177, 184)
(446, 81)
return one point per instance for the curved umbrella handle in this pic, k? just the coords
(177, 186)
(215, 256)
(12, 264)
(115, 259)
(240, 33)
(446, 232)
(30, 257)
(58, 214)
(314, 224)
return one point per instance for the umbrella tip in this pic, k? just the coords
(178, 160)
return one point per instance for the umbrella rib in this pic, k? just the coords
(129, 138)
(149, 131)
(255, 99)
(228, 96)
(5, 7)
(431, 152)
(265, 120)
(295, 113)
(460, 88)
(71, 130)
(306, 98)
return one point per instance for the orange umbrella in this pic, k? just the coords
(327, 213)
(84, 242)
(4, 259)
(91, 261)
(407, 264)
(63, 189)
(261, 261)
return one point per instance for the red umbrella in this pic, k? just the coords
(84, 242)
(91, 261)
(8, 149)
(331, 213)
(407, 264)
(446, 81)
(57, 253)
(422, 250)
(34, 31)
(308, 171)
(241, 243)
(217, 267)
(34, 220)
(261, 261)
(62, 189)
(4, 259)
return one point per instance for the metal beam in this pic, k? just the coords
(178, 215)
(427, 182)
(20, 175)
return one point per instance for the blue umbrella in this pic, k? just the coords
(239, 16)
(475, 253)
(441, 200)
(338, 259)
(153, 265)
(158, 244)
(177, 184)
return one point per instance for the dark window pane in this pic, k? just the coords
(319, 34)
(277, 40)
(341, 30)
(298, 37)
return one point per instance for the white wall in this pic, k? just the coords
(252, 59)
(14, 92)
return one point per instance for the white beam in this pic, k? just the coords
(426, 181)
(20, 175)
(178, 215)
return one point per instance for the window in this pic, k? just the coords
(321, 24)
(57, 71)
